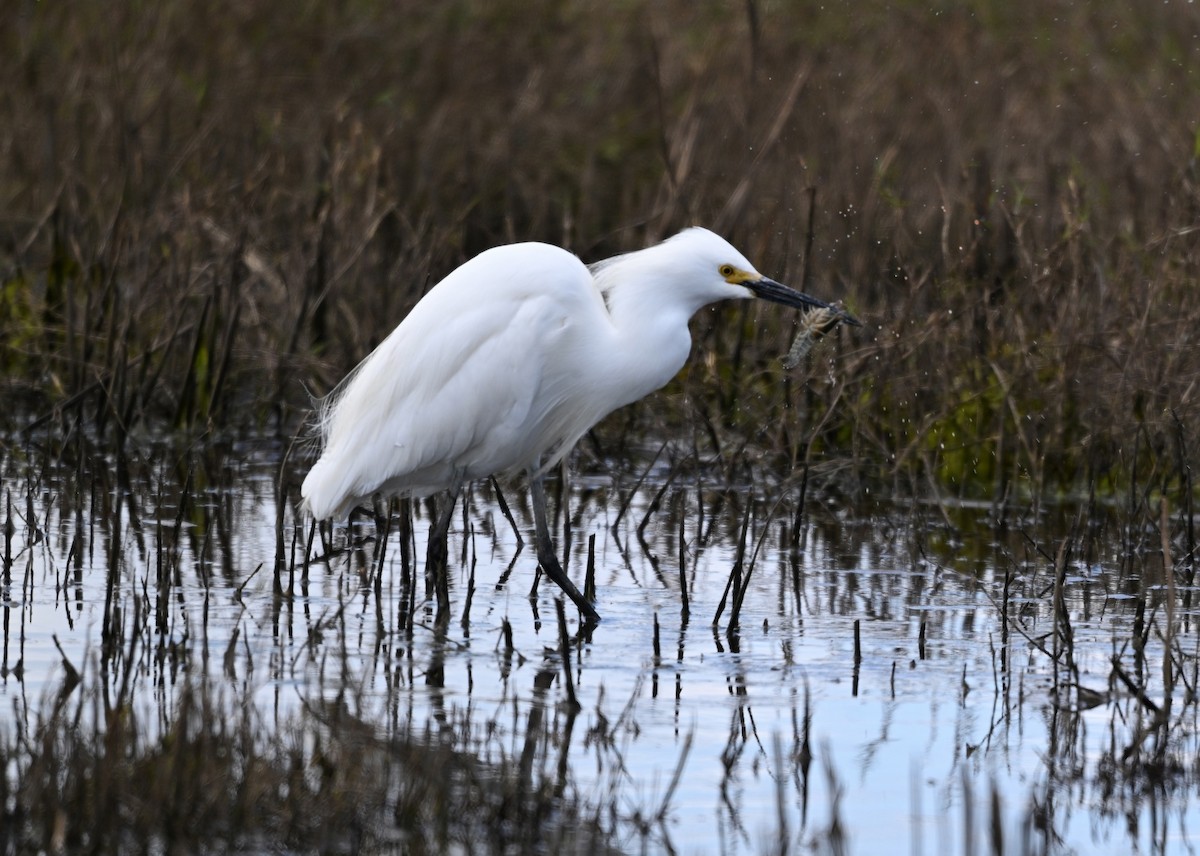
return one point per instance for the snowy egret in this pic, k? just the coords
(510, 359)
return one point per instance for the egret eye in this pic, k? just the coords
(726, 271)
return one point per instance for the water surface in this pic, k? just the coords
(163, 565)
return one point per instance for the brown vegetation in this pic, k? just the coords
(207, 208)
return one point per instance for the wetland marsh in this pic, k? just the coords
(964, 709)
(930, 587)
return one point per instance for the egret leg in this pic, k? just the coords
(437, 553)
(546, 555)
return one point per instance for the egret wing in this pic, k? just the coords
(469, 384)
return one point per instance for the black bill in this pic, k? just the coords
(769, 289)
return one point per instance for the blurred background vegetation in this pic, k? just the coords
(208, 208)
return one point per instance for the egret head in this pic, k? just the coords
(720, 272)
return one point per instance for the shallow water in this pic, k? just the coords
(166, 564)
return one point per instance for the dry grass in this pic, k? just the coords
(207, 208)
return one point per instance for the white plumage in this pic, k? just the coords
(507, 361)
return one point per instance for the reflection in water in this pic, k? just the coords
(951, 678)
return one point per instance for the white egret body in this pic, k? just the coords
(510, 359)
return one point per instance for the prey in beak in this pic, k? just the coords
(777, 292)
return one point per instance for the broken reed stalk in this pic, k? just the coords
(1187, 513)
(636, 487)
(740, 594)
(1134, 688)
(685, 608)
(312, 535)
(798, 517)
(411, 608)
(651, 508)
(589, 576)
(468, 528)
(111, 613)
(656, 502)
(1168, 633)
(437, 553)
(1058, 644)
(408, 582)
(9, 531)
(280, 543)
(1005, 596)
(564, 642)
(383, 529)
(163, 577)
(508, 515)
(735, 574)
(466, 617)
(563, 508)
